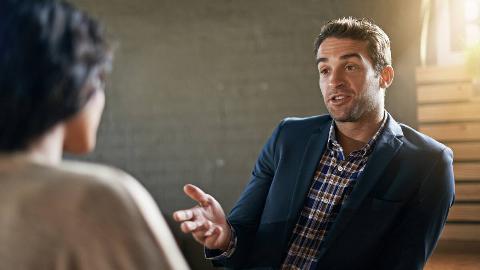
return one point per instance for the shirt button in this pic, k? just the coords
(340, 168)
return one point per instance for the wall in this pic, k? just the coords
(198, 86)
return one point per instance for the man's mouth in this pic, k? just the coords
(338, 97)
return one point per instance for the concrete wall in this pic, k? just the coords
(198, 86)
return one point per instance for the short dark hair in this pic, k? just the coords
(48, 51)
(378, 43)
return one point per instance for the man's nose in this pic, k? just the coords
(337, 79)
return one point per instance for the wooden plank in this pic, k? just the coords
(450, 92)
(449, 112)
(452, 132)
(464, 212)
(436, 74)
(467, 171)
(461, 232)
(466, 151)
(467, 192)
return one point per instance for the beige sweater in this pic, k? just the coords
(80, 216)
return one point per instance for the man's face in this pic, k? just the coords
(348, 81)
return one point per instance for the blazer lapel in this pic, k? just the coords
(386, 148)
(313, 152)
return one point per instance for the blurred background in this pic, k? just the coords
(199, 85)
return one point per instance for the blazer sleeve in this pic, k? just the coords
(246, 214)
(414, 239)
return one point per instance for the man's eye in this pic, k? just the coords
(324, 71)
(350, 67)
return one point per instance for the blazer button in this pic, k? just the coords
(340, 168)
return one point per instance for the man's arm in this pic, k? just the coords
(246, 214)
(413, 240)
(208, 224)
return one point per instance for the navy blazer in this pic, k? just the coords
(392, 219)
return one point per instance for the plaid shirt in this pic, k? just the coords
(333, 182)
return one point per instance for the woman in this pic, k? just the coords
(57, 214)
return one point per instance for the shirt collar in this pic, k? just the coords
(333, 144)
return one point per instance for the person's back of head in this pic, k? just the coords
(66, 215)
(48, 52)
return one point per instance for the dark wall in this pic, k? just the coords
(198, 86)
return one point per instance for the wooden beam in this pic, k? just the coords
(437, 74)
(467, 192)
(464, 212)
(461, 232)
(466, 151)
(449, 112)
(452, 92)
(467, 171)
(452, 132)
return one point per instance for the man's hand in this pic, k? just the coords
(206, 221)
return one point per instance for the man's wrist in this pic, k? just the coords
(228, 239)
(223, 253)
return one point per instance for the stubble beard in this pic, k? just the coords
(367, 105)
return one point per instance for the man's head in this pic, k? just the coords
(354, 64)
(52, 57)
(378, 43)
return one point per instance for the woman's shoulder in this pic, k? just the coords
(95, 178)
(73, 187)
(96, 181)
(92, 172)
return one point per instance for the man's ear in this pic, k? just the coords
(386, 77)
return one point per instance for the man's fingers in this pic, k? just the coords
(204, 232)
(196, 194)
(210, 229)
(188, 226)
(183, 215)
(196, 227)
(212, 239)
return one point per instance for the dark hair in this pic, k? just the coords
(48, 51)
(378, 43)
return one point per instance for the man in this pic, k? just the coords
(349, 190)
(56, 214)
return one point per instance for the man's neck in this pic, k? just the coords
(353, 136)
